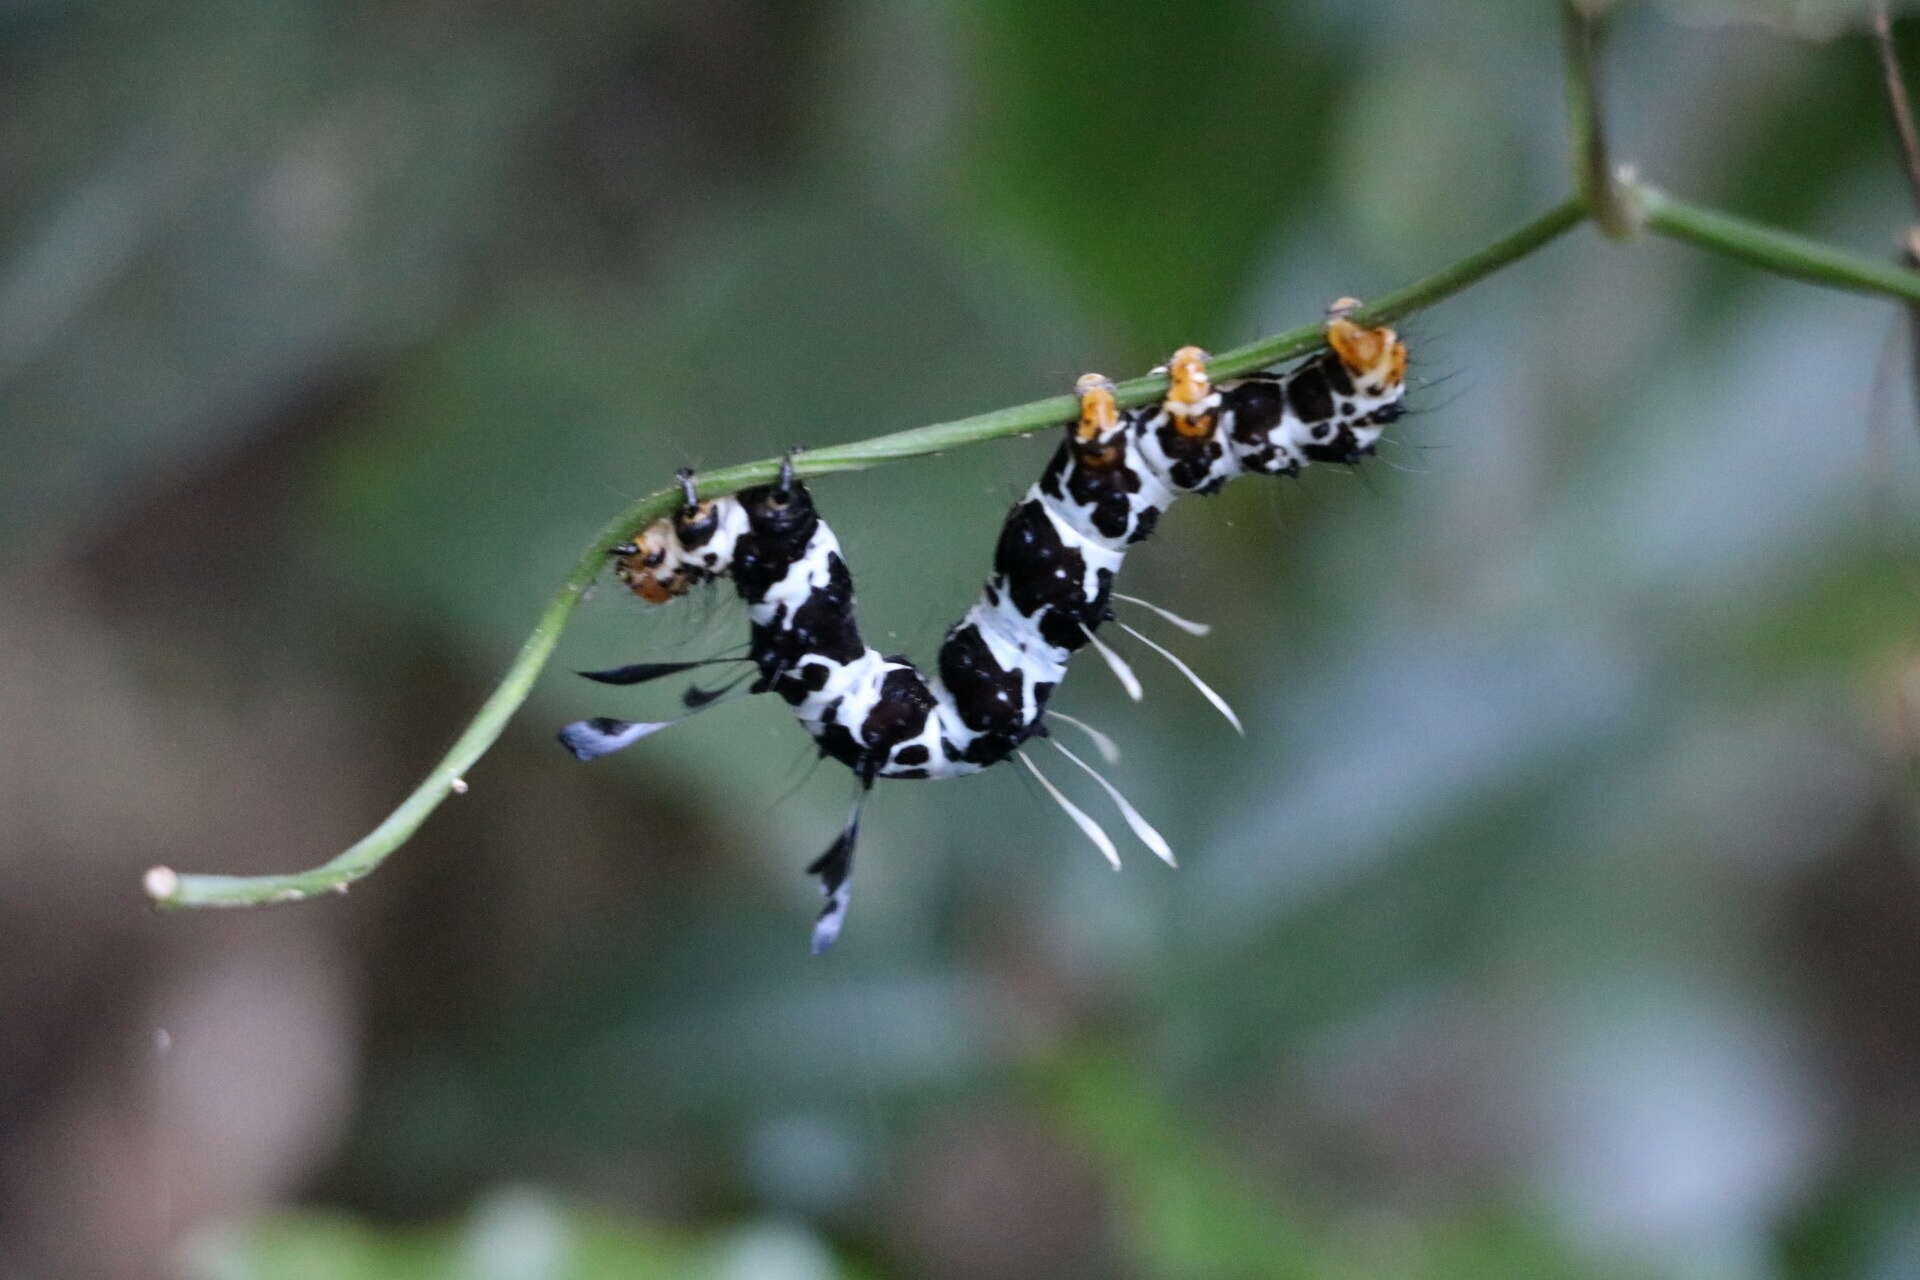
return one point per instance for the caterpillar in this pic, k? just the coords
(1050, 591)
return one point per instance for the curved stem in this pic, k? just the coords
(170, 889)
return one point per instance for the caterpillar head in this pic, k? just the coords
(1375, 359)
(652, 565)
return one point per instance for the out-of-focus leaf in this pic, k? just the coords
(1149, 149)
(246, 233)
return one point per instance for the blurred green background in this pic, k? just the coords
(1558, 916)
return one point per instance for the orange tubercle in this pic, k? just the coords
(1191, 387)
(1359, 349)
(1367, 353)
(1188, 372)
(1099, 411)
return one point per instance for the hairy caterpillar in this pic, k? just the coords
(1050, 590)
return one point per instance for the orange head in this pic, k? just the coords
(652, 568)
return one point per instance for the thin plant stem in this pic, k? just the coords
(1779, 252)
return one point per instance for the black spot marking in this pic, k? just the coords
(986, 695)
(1105, 491)
(836, 741)
(824, 622)
(900, 713)
(1190, 459)
(1039, 569)
(1256, 405)
(1046, 578)
(1310, 395)
(992, 748)
(1339, 447)
(696, 526)
(1330, 367)
(1050, 479)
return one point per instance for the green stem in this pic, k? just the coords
(170, 889)
(1779, 252)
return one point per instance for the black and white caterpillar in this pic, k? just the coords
(1051, 588)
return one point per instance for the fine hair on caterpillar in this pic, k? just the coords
(1050, 590)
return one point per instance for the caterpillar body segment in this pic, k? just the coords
(1050, 589)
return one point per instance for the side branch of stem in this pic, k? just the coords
(1780, 252)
